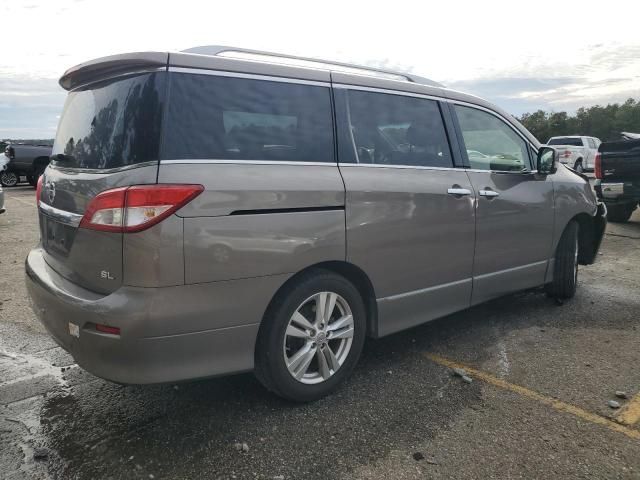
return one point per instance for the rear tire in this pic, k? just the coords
(304, 359)
(9, 179)
(565, 269)
(578, 167)
(620, 213)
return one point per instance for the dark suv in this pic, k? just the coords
(24, 160)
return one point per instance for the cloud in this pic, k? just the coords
(608, 74)
(29, 106)
(489, 50)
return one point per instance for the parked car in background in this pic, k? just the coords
(4, 162)
(618, 176)
(223, 248)
(577, 152)
(24, 160)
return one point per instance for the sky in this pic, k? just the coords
(552, 55)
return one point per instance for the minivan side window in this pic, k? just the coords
(592, 143)
(390, 129)
(490, 143)
(225, 118)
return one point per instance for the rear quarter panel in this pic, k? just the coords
(256, 220)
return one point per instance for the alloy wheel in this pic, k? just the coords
(318, 338)
(9, 179)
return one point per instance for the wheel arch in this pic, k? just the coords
(586, 237)
(352, 273)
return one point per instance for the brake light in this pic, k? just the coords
(136, 208)
(598, 166)
(39, 190)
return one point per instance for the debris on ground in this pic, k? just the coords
(40, 454)
(418, 456)
(621, 394)
(467, 379)
(614, 404)
(241, 447)
(459, 372)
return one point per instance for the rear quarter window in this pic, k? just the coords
(226, 118)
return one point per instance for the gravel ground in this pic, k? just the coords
(401, 416)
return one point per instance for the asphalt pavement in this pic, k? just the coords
(542, 376)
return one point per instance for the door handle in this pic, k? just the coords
(459, 191)
(488, 193)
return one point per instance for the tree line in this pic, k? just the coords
(605, 123)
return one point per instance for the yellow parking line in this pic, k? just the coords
(630, 413)
(551, 402)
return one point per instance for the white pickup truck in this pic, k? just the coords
(576, 152)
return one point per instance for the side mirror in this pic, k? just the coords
(547, 160)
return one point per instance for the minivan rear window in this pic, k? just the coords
(111, 124)
(224, 118)
(574, 142)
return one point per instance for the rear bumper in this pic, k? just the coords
(166, 334)
(614, 193)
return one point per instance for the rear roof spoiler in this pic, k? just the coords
(112, 65)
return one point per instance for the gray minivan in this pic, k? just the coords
(220, 211)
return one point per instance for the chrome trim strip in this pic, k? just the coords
(423, 290)
(224, 73)
(242, 162)
(68, 218)
(405, 167)
(509, 270)
(500, 172)
(393, 92)
(62, 168)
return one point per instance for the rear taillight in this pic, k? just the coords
(133, 209)
(566, 154)
(598, 166)
(39, 189)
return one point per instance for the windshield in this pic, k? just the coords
(111, 124)
(574, 142)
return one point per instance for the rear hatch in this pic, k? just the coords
(108, 137)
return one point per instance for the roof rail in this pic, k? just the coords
(217, 50)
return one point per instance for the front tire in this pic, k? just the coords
(565, 269)
(9, 179)
(578, 167)
(311, 337)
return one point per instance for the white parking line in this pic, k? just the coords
(21, 200)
